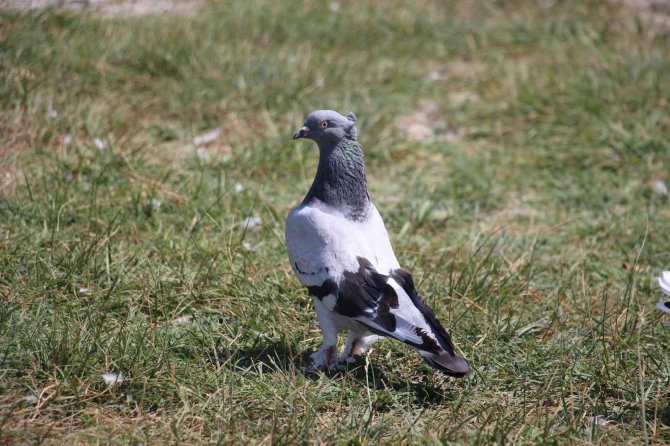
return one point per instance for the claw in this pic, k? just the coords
(344, 359)
(324, 359)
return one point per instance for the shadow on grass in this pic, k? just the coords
(278, 355)
(425, 393)
(269, 354)
(273, 356)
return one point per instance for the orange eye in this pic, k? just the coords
(324, 124)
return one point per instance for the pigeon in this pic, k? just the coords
(664, 282)
(340, 250)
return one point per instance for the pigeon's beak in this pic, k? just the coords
(304, 131)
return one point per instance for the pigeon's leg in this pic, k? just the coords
(326, 357)
(357, 344)
(364, 343)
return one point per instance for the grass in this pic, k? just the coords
(550, 123)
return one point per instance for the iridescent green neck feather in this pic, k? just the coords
(340, 179)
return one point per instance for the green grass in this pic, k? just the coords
(515, 228)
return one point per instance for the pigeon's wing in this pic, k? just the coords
(664, 282)
(389, 305)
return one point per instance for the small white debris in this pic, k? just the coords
(535, 327)
(207, 137)
(67, 139)
(155, 204)
(435, 76)
(30, 399)
(334, 6)
(319, 82)
(251, 222)
(249, 247)
(112, 379)
(203, 154)
(84, 290)
(598, 420)
(660, 188)
(241, 83)
(239, 187)
(460, 98)
(182, 320)
(99, 144)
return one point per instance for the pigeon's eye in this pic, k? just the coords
(324, 124)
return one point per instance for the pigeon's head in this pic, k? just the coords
(328, 126)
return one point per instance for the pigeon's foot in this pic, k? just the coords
(324, 359)
(345, 359)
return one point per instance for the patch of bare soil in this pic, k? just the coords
(655, 12)
(110, 8)
(428, 123)
(654, 6)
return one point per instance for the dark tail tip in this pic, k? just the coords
(455, 366)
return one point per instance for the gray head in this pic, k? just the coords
(328, 127)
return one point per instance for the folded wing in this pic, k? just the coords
(390, 306)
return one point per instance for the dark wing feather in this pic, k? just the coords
(407, 283)
(367, 294)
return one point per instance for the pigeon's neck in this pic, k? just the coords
(340, 179)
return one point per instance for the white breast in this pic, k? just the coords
(322, 243)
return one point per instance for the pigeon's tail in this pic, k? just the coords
(452, 365)
(664, 282)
